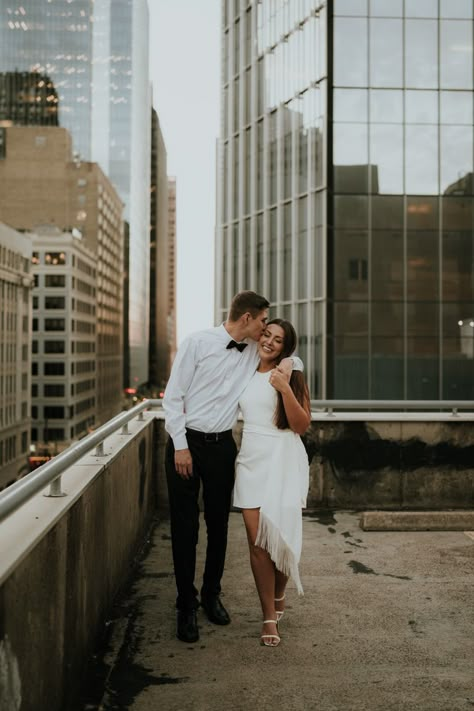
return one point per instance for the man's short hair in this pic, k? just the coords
(247, 301)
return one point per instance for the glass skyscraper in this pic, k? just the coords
(345, 187)
(96, 55)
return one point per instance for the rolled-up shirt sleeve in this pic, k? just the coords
(181, 376)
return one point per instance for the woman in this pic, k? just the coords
(272, 473)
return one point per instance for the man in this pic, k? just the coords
(210, 372)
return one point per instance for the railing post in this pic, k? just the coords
(99, 450)
(55, 489)
(454, 412)
(124, 429)
(140, 416)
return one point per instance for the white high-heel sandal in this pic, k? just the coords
(280, 613)
(274, 638)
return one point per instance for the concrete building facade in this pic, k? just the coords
(65, 381)
(344, 190)
(75, 196)
(16, 283)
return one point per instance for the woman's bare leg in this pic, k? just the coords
(263, 570)
(280, 586)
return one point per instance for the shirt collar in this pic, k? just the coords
(225, 335)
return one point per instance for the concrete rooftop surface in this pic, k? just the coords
(386, 624)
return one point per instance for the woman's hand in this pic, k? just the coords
(280, 380)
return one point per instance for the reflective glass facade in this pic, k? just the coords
(272, 167)
(55, 39)
(401, 242)
(380, 287)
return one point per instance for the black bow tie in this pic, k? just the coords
(233, 344)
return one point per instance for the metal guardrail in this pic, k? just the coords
(392, 405)
(50, 473)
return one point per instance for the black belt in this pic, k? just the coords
(208, 436)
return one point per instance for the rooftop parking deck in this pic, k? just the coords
(386, 623)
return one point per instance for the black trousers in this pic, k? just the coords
(213, 465)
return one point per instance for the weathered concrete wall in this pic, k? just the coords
(358, 465)
(425, 465)
(54, 603)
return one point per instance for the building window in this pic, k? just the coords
(54, 324)
(55, 258)
(53, 412)
(358, 269)
(54, 302)
(55, 280)
(54, 368)
(54, 347)
(53, 434)
(53, 390)
(34, 390)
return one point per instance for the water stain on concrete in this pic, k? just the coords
(414, 628)
(358, 450)
(361, 568)
(325, 518)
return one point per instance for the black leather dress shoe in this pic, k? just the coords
(215, 610)
(187, 629)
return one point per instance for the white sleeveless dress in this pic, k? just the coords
(272, 474)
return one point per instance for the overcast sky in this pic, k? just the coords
(185, 71)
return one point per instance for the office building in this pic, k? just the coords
(78, 197)
(64, 384)
(172, 266)
(160, 346)
(16, 283)
(96, 56)
(345, 187)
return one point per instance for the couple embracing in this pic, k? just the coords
(245, 364)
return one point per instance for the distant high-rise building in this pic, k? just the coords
(172, 263)
(65, 382)
(76, 197)
(162, 265)
(96, 55)
(345, 187)
(16, 283)
(27, 99)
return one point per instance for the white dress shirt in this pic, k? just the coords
(206, 382)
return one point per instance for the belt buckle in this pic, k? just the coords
(211, 437)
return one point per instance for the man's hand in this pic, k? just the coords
(183, 463)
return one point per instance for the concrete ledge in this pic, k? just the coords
(417, 521)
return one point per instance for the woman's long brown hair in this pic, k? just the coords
(297, 381)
